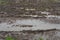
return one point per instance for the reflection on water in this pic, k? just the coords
(36, 23)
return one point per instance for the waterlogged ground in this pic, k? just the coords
(11, 24)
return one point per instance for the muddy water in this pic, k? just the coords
(14, 25)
